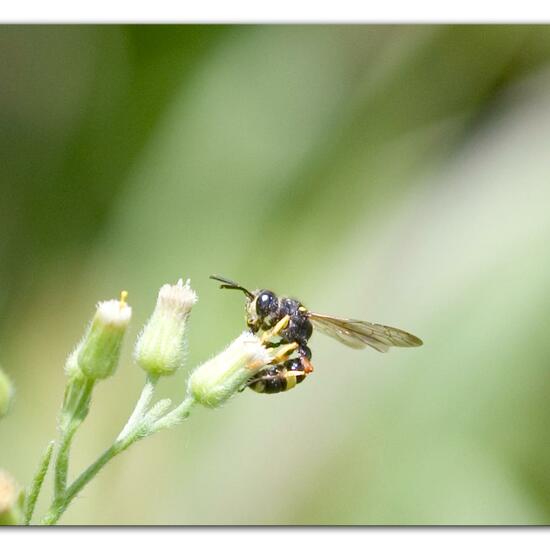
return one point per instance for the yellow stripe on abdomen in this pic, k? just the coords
(290, 380)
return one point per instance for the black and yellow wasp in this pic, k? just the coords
(283, 320)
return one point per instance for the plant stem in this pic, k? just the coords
(75, 409)
(141, 406)
(140, 430)
(62, 461)
(180, 413)
(36, 484)
(59, 506)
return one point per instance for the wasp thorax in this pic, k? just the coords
(289, 306)
(299, 330)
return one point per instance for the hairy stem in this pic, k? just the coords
(140, 430)
(59, 506)
(180, 413)
(38, 480)
(62, 461)
(75, 409)
(141, 406)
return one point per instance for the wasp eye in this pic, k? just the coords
(266, 303)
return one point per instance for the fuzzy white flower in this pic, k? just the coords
(215, 381)
(160, 348)
(97, 355)
(116, 313)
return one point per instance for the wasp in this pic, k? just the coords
(283, 321)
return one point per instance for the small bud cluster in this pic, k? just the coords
(159, 351)
(160, 348)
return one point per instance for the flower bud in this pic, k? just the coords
(160, 348)
(215, 381)
(97, 355)
(6, 393)
(11, 500)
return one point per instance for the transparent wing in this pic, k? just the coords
(360, 334)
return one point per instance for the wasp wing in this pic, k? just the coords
(360, 334)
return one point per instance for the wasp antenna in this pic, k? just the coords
(224, 280)
(232, 285)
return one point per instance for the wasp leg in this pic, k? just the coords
(283, 352)
(306, 365)
(276, 330)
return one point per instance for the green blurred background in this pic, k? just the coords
(399, 174)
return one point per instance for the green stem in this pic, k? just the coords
(140, 430)
(180, 413)
(75, 409)
(36, 484)
(62, 461)
(141, 406)
(59, 506)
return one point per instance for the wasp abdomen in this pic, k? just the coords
(279, 378)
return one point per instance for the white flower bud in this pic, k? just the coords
(98, 353)
(215, 381)
(160, 348)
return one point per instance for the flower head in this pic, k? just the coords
(160, 348)
(98, 353)
(215, 381)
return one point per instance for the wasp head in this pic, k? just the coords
(261, 305)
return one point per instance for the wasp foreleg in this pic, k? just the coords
(270, 334)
